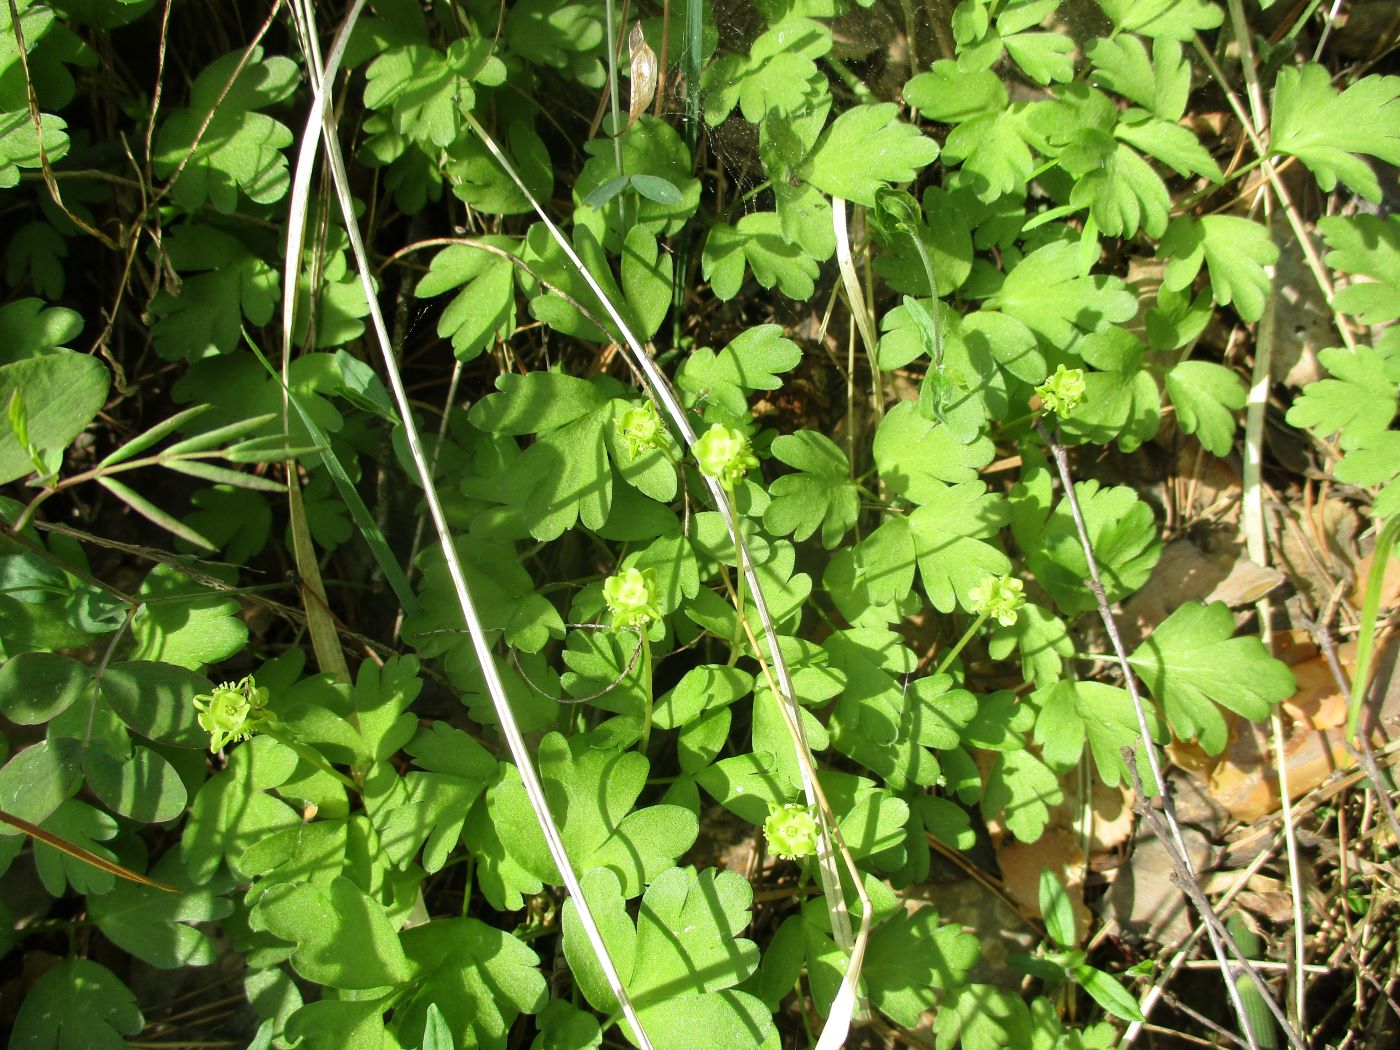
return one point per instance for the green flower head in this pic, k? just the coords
(631, 597)
(233, 711)
(1063, 392)
(725, 455)
(640, 428)
(998, 598)
(791, 831)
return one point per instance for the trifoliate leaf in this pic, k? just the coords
(819, 494)
(1235, 252)
(1123, 194)
(426, 91)
(1191, 663)
(996, 160)
(948, 532)
(1160, 84)
(343, 938)
(1368, 245)
(779, 74)
(1042, 639)
(758, 241)
(1359, 399)
(915, 454)
(1207, 396)
(592, 792)
(865, 146)
(223, 283)
(1072, 713)
(75, 1003)
(752, 361)
(1327, 129)
(911, 958)
(1020, 789)
(480, 978)
(1047, 293)
(238, 149)
(875, 573)
(1177, 19)
(484, 308)
(150, 923)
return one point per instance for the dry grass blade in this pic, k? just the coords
(48, 838)
(534, 790)
(658, 387)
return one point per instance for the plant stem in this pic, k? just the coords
(952, 654)
(647, 697)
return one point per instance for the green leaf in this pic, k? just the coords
(479, 977)
(156, 700)
(75, 1003)
(758, 241)
(981, 1017)
(996, 160)
(19, 144)
(343, 938)
(647, 274)
(1121, 530)
(1072, 713)
(84, 826)
(752, 361)
(31, 328)
(915, 455)
(867, 580)
(911, 957)
(1160, 84)
(426, 90)
(1206, 396)
(151, 923)
(865, 146)
(1368, 245)
(535, 402)
(484, 308)
(1108, 993)
(1235, 252)
(223, 282)
(143, 786)
(1046, 292)
(62, 392)
(948, 532)
(183, 623)
(35, 687)
(1123, 194)
(1055, 906)
(1042, 640)
(1327, 129)
(335, 1024)
(686, 958)
(1177, 19)
(563, 1026)
(592, 793)
(232, 810)
(657, 165)
(779, 74)
(37, 780)
(819, 495)
(1359, 399)
(951, 94)
(1020, 789)
(1190, 663)
(238, 150)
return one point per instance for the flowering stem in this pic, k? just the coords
(645, 643)
(967, 637)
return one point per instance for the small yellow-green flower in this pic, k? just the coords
(791, 831)
(998, 598)
(725, 455)
(1063, 392)
(640, 428)
(631, 597)
(233, 711)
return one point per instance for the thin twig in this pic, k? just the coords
(1164, 819)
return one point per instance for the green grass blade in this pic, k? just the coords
(148, 510)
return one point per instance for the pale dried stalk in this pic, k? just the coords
(534, 790)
